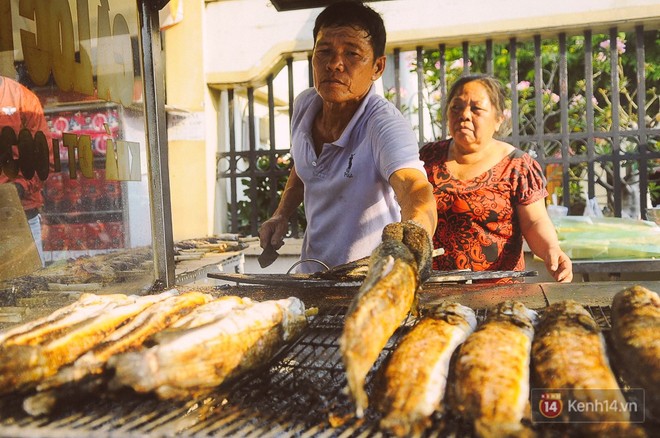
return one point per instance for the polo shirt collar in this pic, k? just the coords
(345, 137)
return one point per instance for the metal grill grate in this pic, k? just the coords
(297, 395)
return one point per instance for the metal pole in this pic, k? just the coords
(156, 135)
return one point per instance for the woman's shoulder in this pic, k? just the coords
(435, 146)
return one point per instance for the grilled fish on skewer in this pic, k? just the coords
(568, 353)
(126, 338)
(87, 306)
(129, 336)
(636, 338)
(30, 364)
(416, 374)
(381, 305)
(492, 371)
(210, 311)
(213, 352)
(396, 268)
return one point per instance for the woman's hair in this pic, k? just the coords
(494, 89)
(356, 15)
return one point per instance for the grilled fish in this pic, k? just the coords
(492, 371)
(204, 357)
(128, 337)
(380, 306)
(636, 339)
(86, 307)
(568, 353)
(25, 365)
(209, 312)
(416, 374)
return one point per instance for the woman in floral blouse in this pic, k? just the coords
(489, 195)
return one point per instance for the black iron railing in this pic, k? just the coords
(584, 105)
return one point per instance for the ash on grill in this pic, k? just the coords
(300, 393)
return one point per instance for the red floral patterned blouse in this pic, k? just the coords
(477, 222)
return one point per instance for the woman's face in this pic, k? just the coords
(344, 66)
(473, 119)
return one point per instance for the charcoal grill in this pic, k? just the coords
(298, 394)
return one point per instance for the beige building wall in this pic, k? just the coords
(186, 104)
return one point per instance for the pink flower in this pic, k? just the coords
(620, 45)
(437, 65)
(458, 64)
(601, 57)
(411, 60)
(576, 101)
(522, 85)
(553, 97)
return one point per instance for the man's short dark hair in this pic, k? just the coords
(356, 15)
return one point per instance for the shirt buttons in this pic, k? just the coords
(314, 163)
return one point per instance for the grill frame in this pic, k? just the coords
(294, 395)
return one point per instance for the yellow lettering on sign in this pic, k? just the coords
(50, 47)
(128, 160)
(62, 50)
(36, 50)
(84, 157)
(115, 58)
(6, 41)
(84, 75)
(111, 169)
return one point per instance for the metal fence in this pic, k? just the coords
(584, 105)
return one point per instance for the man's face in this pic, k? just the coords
(344, 66)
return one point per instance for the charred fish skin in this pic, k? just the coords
(86, 307)
(130, 336)
(569, 353)
(492, 371)
(32, 363)
(415, 377)
(636, 339)
(212, 353)
(381, 305)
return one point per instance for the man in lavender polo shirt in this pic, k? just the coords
(356, 160)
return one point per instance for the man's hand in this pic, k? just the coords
(273, 231)
(417, 240)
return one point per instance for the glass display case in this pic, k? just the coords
(83, 174)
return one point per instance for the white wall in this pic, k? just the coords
(246, 37)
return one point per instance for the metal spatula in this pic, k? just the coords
(268, 256)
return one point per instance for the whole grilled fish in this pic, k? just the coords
(568, 353)
(204, 357)
(128, 337)
(636, 339)
(416, 374)
(209, 312)
(380, 306)
(26, 365)
(37, 331)
(492, 371)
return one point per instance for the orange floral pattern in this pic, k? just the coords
(478, 226)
